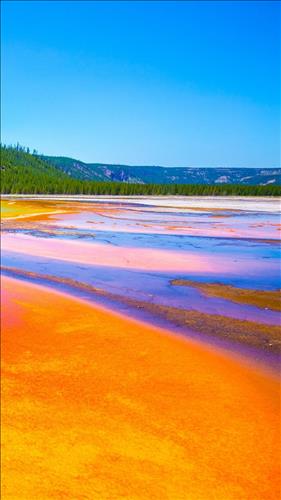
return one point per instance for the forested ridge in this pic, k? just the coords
(26, 173)
(148, 174)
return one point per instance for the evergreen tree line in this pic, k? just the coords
(25, 173)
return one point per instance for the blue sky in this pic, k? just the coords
(152, 82)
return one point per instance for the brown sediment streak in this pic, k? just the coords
(258, 298)
(98, 406)
(242, 332)
(247, 333)
(269, 241)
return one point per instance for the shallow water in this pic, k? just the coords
(135, 248)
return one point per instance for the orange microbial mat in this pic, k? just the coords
(99, 406)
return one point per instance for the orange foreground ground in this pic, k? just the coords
(96, 406)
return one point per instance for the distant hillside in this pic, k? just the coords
(25, 173)
(164, 175)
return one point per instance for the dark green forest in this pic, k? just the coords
(23, 172)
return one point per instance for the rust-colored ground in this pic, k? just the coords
(96, 406)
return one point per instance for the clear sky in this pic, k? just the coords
(153, 82)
